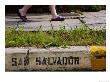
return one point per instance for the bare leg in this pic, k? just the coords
(53, 11)
(55, 16)
(24, 10)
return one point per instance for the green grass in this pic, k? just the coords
(81, 36)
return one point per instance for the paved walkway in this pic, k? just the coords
(36, 22)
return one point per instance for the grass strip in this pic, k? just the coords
(81, 36)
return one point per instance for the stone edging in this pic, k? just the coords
(74, 58)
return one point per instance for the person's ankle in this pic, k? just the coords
(22, 12)
(55, 16)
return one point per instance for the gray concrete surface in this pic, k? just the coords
(50, 59)
(92, 19)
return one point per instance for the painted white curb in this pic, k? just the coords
(51, 59)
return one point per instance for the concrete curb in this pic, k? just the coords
(74, 58)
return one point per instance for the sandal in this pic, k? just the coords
(23, 18)
(59, 18)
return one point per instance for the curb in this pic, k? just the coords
(74, 58)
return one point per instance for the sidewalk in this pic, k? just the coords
(95, 20)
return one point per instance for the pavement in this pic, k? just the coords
(95, 20)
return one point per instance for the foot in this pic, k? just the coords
(59, 18)
(22, 16)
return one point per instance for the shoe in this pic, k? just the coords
(59, 18)
(23, 18)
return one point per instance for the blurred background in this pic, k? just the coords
(60, 8)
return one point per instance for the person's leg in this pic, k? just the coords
(24, 10)
(53, 11)
(55, 16)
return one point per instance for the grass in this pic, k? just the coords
(81, 36)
